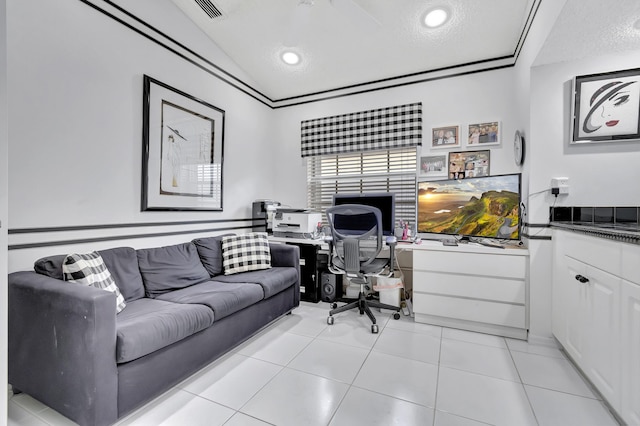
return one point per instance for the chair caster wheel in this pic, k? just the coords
(396, 316)
(374, 329)
(330, 320)
(334, 305)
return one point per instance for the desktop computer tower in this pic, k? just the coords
(309, 272)
(330, 287)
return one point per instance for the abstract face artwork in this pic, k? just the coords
(607, 107)
(610, 107)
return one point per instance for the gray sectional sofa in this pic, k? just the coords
(70, 350)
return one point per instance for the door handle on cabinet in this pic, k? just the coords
(582, 279)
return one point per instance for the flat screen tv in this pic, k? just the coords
(487, 207)
(385, 201)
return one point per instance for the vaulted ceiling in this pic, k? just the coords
(352, 45)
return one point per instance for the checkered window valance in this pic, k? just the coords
(385, 128)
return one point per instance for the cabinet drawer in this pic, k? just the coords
(479, 287)
(470, 310)
(498, 265)
(598, 252)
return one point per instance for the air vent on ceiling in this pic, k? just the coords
(209, 8)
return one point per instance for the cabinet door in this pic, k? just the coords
(602, 364)
(630, 349)
(576, 304)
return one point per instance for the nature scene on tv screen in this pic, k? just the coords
(485, 207)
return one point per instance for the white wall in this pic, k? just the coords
(3, 211)
(540, 253)
(600, 175)
(485, 96)
(75, 108)
(603, 174)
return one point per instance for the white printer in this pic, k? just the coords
(295, 223)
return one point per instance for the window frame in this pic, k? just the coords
(388, 170)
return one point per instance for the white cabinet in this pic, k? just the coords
(471, 287)
(575, 306)
(596, 315)
(592, 324)
(630, 337)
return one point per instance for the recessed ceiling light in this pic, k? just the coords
(436, 17)
(291, 58)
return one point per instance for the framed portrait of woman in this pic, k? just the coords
(606, 107)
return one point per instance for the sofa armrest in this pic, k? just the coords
(62, 346)
(284, 255)
(287, 255)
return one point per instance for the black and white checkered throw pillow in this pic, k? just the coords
(89, 269)
(246, 252)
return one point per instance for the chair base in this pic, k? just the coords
(364, 306)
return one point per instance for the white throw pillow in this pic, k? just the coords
(89, 269)
(246, 252)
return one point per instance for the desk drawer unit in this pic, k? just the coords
(483, 292)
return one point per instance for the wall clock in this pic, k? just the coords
(518, 148)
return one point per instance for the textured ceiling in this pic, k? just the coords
(587, 28)
(350, 42)
(358, 44)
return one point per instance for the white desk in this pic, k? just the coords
(471, 286)
(468, 286)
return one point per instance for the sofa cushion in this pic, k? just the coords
(223, 298)
(246, 252)
(89, 269)
(50, 266)
(150, 324)
(210, 252)
(272, 280)
(123, 265)
(122, 262)
(170, 268)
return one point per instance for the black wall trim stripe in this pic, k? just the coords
(537, 225)
(527, 27)
(409, 83)
(271, 103)
(119, 225)
(399, 77)
(537, 237)
(177, 43)
(174, 51)
(121, 237)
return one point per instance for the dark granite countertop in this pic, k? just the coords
(618, 232)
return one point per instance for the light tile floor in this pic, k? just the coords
(301, 371)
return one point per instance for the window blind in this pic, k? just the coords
(384, 128)
(390, 170)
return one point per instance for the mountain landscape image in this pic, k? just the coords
(482, 207)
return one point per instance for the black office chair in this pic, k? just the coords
(356, 241)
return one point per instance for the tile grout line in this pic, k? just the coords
(435, 396)
(526, 394)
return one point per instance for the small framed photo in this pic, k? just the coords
(445, 137)
(606, 107)
(434, 166)
(467, 164)
(487, 133)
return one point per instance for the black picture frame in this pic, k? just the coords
(606, 107)
(183, 150)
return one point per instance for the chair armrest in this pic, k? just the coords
(392, 242)
(62, 345)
